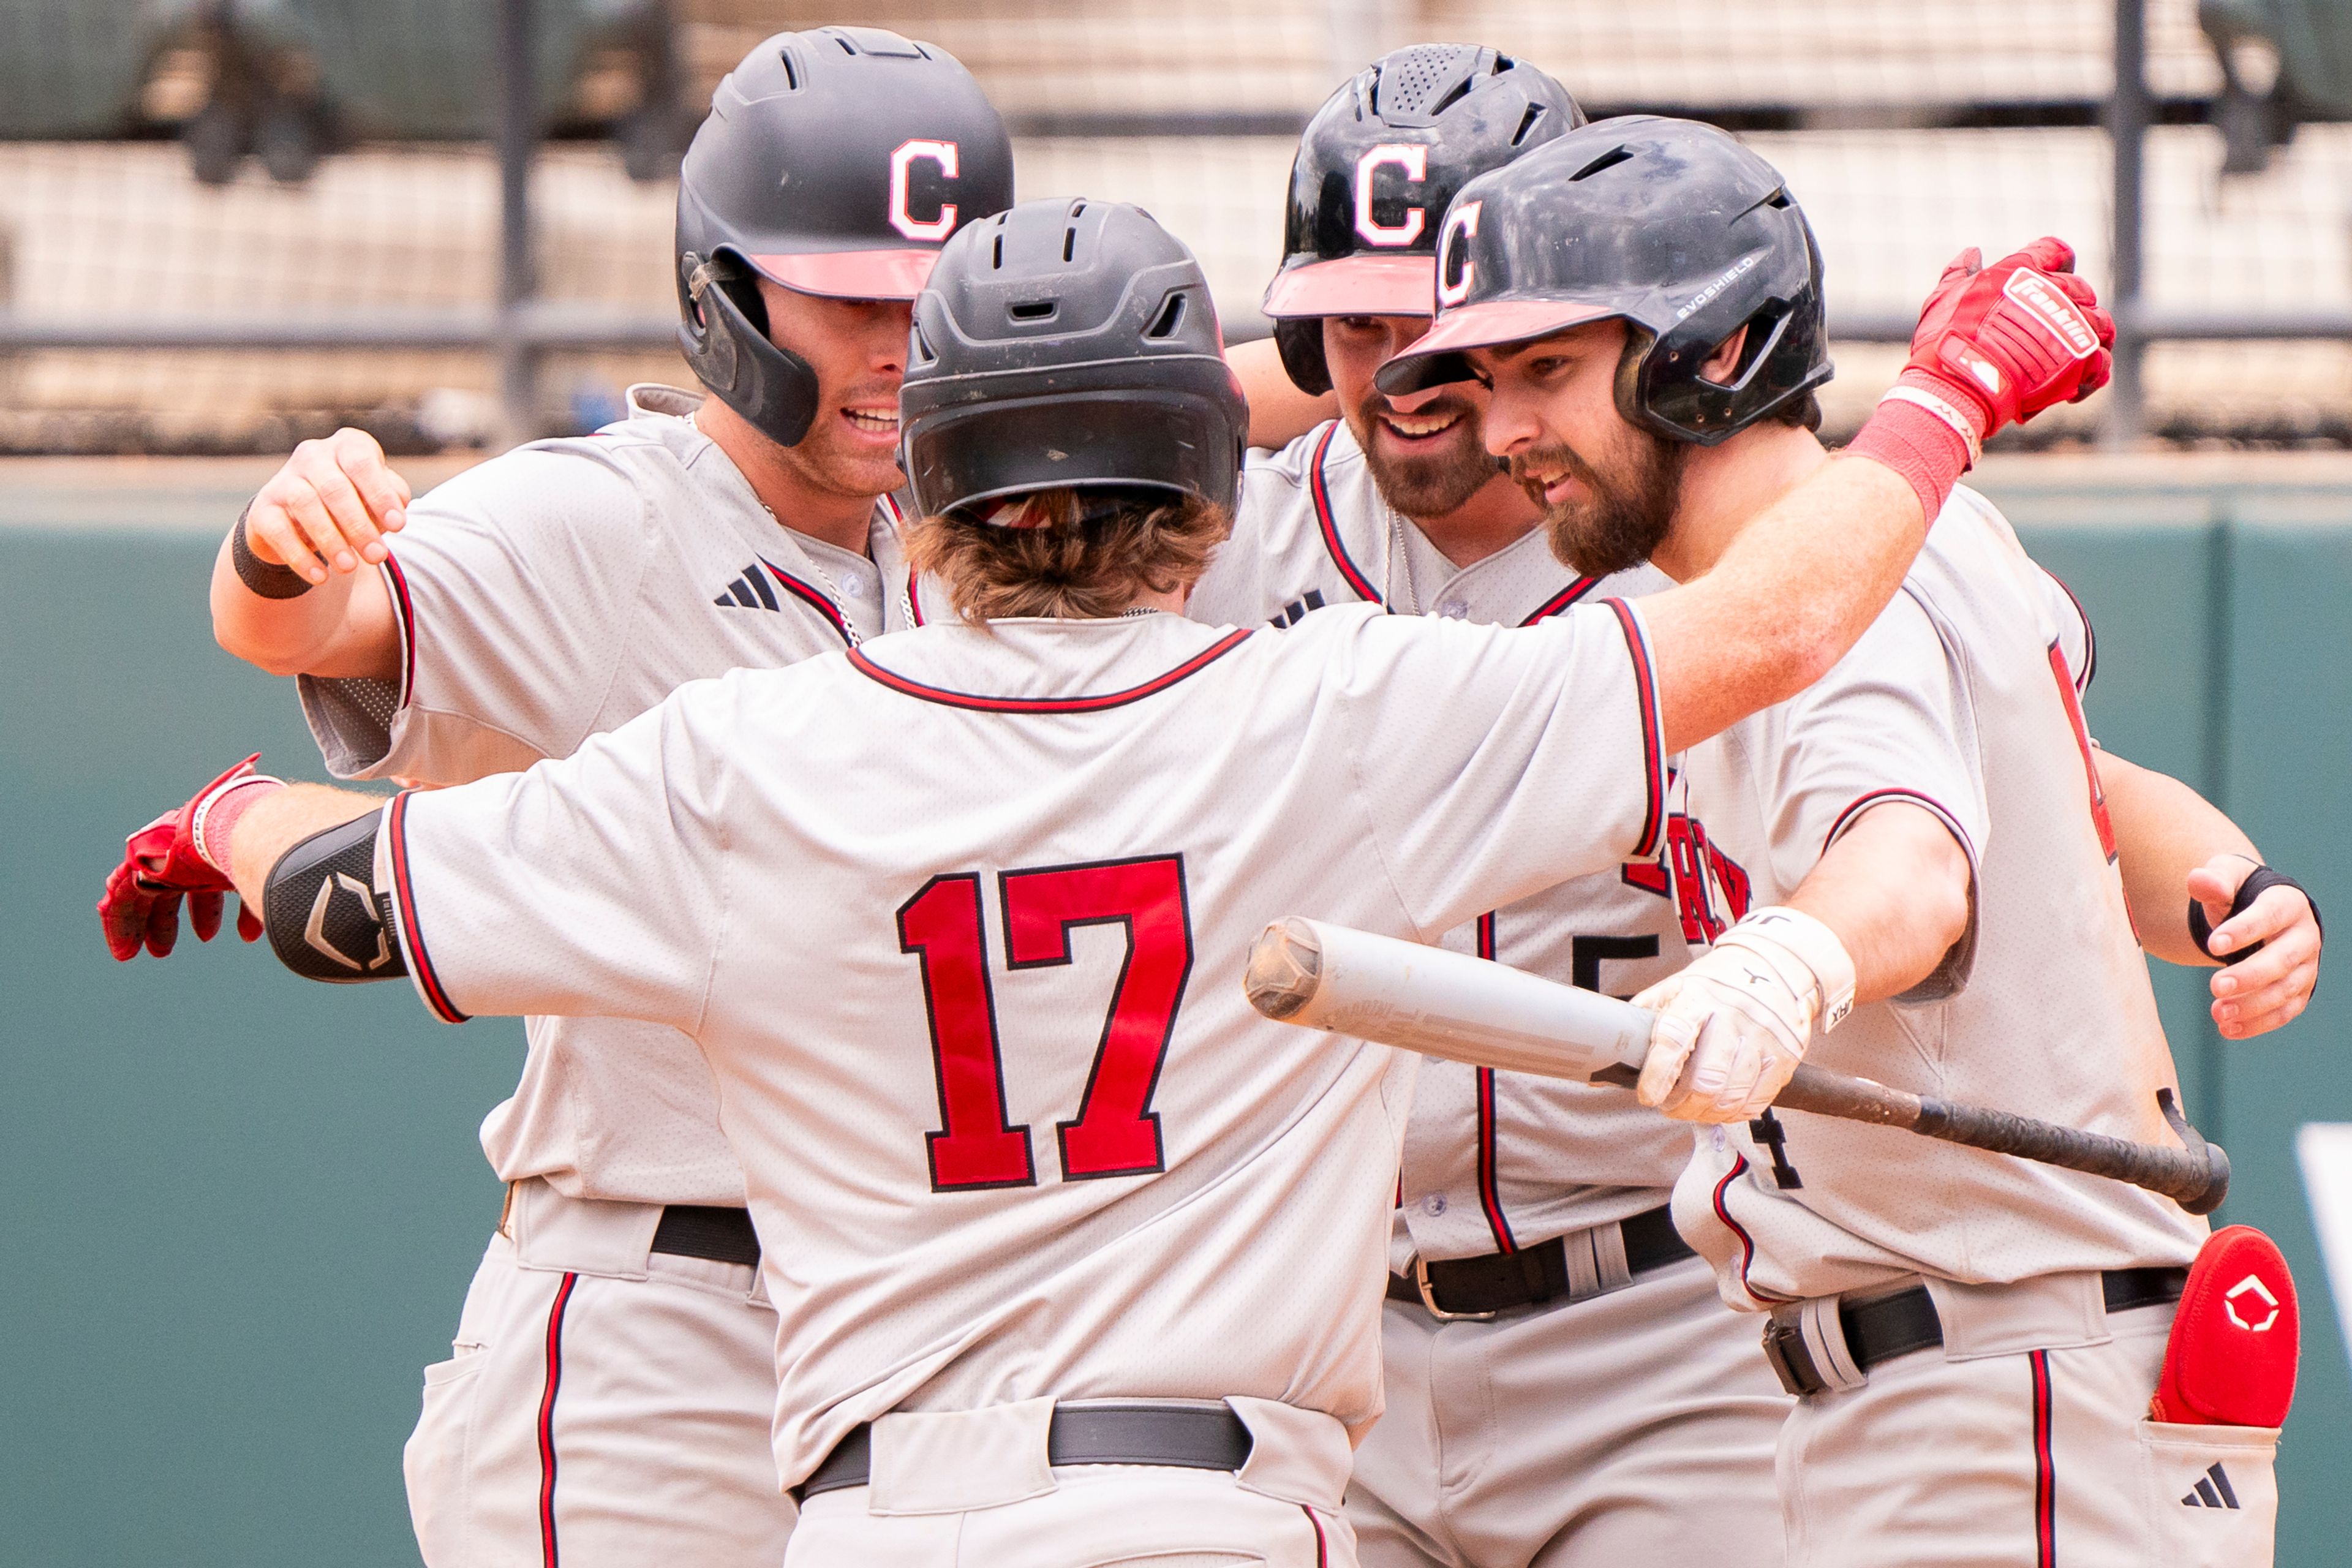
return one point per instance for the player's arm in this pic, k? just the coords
(295, 590)
(1803, 582)
(2172, 845)
(1875, 810)
(1895, 891)
(1279, 413)
(585, 888)
(1876, 917)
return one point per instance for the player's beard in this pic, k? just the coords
(1629, 511)
(830, 461)
(1427, 484)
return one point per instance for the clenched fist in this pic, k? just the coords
(179, 856)
(1733, 1026)
(2002, 343)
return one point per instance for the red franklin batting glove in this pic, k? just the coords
(2002, 343)
(1995, 346)
(179, 855)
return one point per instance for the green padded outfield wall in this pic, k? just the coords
(237, 1212)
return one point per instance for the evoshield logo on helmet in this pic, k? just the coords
(1731, 275)
(1670, 224)
(1413, 158)
(902, 161)
(2054, 311)
(1455, 272)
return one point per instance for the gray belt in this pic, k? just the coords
(1187, 1437)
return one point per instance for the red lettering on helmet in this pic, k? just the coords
(1413, 158)
(942, 153)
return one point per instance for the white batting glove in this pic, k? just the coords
(1732, 1026)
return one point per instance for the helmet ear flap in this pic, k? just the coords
(1299, 339)
(1632, 395)
(771, 387)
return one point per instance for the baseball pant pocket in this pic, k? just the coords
(2213, 1493)
(1184, 1560)
(434, 1460)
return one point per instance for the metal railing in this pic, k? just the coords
(520, 327)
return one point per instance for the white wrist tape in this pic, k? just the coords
(1944, 410)
(1806, 954)
(202, 816)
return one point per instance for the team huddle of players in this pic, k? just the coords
(895, 746)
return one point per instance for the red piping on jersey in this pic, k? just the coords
(1561, 600)
(1322, 1553)
(407, 612)
(2046, 1467)
(823, 603)
(547, 1555)
(1747, 1242)
(1864, 802)
(1489, 1196)
(436, 997)
(1653, 759)
(2090, 633)
(1321, 493)
(2070, 699)
(980, 704)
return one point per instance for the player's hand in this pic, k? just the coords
(2003, 343)
(1733, 1026)
(329, 508)
(161, 864)
(1719, 1051)
(2269, 988)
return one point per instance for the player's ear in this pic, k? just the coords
(1724, 362)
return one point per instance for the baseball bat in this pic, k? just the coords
(1467, 1009)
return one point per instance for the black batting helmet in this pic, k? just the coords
(1375, 169)
(1067, 343)
(835, 161)
(1669, 224)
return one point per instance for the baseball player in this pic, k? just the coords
(612, 1377)
(919, 900)
(1922, 837)
(1546, 1403)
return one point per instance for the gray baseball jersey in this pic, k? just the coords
(1963, 698)
(1493, 1162)
(959, 921)
(554, 593)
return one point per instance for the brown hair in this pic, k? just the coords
(1077, 560)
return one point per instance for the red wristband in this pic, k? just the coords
(1924, 449)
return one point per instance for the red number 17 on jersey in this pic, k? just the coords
(1116, 1131)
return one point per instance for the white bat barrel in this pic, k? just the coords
(1442, 1003)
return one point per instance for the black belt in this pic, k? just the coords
(722, 1235)
(1897, 1325)
(1499, 1282)
(1186, 1437)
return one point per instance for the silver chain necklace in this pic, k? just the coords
(1398, 553)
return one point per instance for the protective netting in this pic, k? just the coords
(1906, 128)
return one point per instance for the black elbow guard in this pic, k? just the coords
(325, 919)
